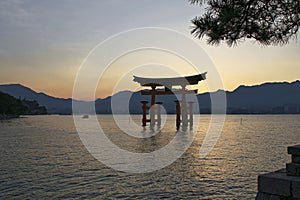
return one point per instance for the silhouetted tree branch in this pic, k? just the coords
(267, 21)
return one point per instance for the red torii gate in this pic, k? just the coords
(168, 83)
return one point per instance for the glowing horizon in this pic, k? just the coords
(43, 46)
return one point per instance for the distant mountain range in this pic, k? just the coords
(267, 98)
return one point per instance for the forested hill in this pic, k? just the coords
(13, 107)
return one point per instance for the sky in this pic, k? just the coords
(44, 43)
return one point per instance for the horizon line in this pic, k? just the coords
(242, 85)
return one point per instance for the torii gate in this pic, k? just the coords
(167, 83)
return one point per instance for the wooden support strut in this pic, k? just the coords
(156, 107)
(158, 104)
(145, 108)
(191, 121)
(184, 108)
(178, 113)
(152, 108)
(168, 92)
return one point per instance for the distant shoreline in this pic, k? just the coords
(5, 117)
(171, 114)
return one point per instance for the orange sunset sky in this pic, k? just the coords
(43, 43)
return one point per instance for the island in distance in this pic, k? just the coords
(267, 98)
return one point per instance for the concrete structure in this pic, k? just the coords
(282, 184)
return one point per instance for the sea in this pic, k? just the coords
(43, 157)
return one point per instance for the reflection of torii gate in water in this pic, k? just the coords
(167, 83)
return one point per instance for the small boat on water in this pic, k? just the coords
(85, 116)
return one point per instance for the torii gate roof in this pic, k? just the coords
(174, 81)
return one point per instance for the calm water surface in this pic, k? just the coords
(42, 157)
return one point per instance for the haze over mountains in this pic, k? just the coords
(267, 98)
